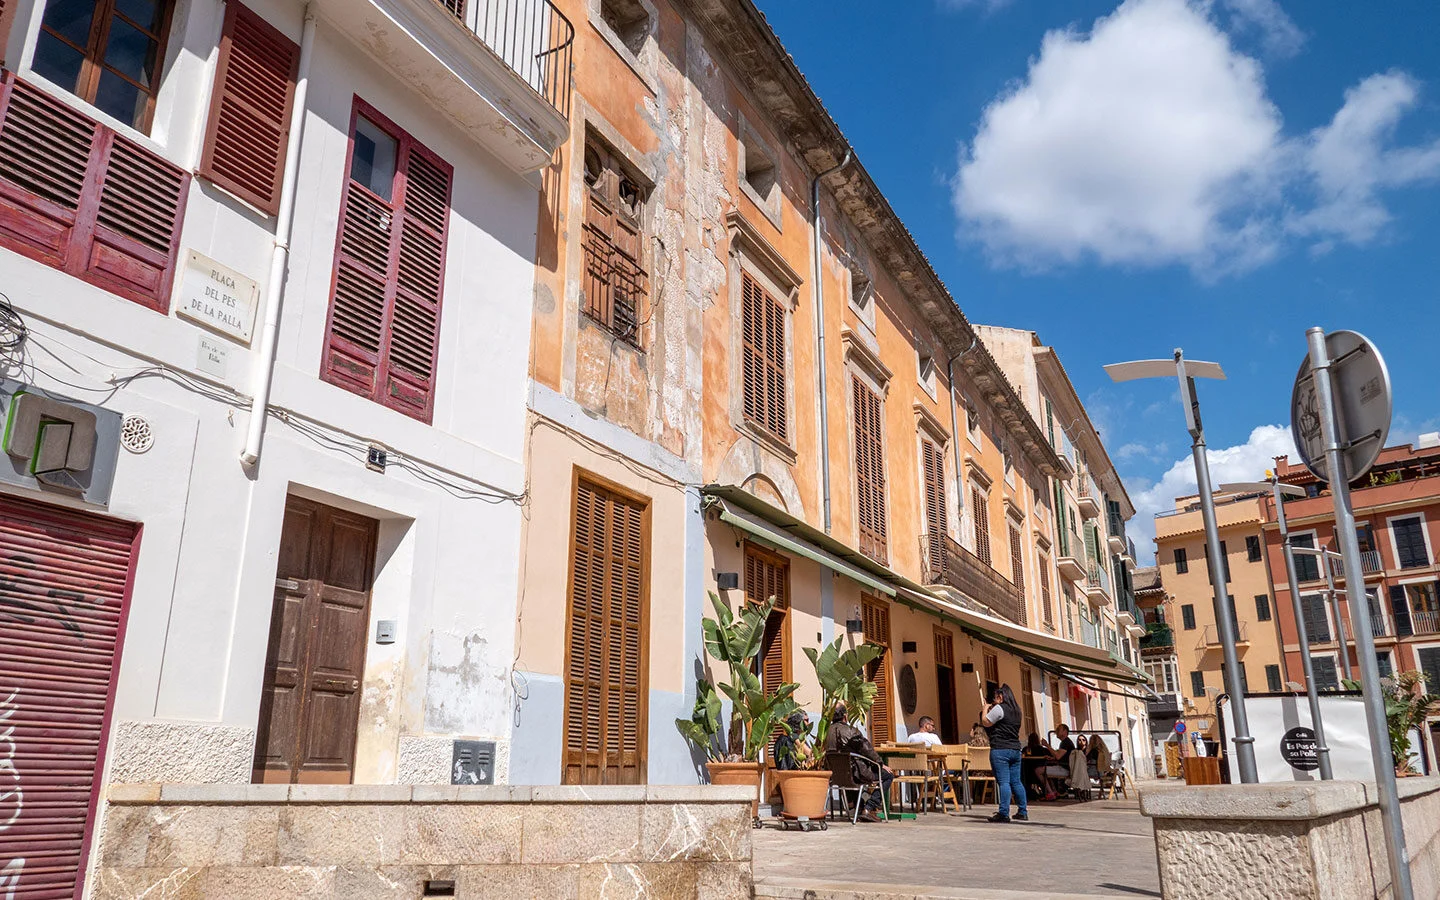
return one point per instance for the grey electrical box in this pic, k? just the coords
(385, 631)
(473, 762)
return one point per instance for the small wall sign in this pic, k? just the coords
(213, 356)
(217, 297)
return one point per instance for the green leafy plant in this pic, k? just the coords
(1406, 706)
(842, 677)
(734, 642)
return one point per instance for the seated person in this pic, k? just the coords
(791, 751)
(926, 735)
(868, 768)
(1097, 758)
(1034, 759)
(978, 737)
(1060, 768)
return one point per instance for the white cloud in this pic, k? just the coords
(1278, 32)
(1138, 451)
(1150, 140)
(1242, 462)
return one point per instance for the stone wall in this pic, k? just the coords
(1302, 841)
(386, 841)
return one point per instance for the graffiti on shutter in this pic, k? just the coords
(251, 104)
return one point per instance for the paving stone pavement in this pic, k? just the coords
(1079, 850)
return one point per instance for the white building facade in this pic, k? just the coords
(329, 598)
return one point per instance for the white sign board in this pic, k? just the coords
(217, 297)
(1284, 744)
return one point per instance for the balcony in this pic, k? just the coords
(499, 68)
(1377, 625)
(1425, 622)
(1210, 637)
(1128, 557)
(1087, 497)
(966, 573)
(1116, 536)
(1071, 568)
(1097, 585)
(1158, 636)
(1370, 562)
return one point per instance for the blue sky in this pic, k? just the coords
(1130, 177)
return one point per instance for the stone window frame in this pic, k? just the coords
(750, 253)
(748, 143)
(926, 359)
(641, 62)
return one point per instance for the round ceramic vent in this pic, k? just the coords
(135, 434)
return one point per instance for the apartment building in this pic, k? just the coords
(1162, 664)
(1088, 556)
(269, 269)
(1180, 554)
(1397, 508)
(738, 389)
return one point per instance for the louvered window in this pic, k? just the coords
(615, 283)
(875, 617)
(869, 470)
(606, 658)
(250, 109)
(768, 575)
(384, 329)
(933, 463)
(1027, 701)
(980, 511)
(1045, 610)
(992, 673)
(1017, 559)
(107, 52)
(77, 196)
(763, 390)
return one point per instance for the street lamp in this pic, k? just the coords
(1280, 492)
(1187, 371)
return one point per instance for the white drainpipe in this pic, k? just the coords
(280, 253)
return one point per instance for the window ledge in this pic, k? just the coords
(768, 441)
(625, 53)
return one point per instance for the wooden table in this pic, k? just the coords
(1202, 769)
(934, 761)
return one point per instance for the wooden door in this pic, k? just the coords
(310, 707)
(945, 686)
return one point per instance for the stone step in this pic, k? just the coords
(772, 888)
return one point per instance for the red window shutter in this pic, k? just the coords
(1045, 609)
(250, 109)
(7, 13)
(77, 196)
(384, 330)
(604, 728)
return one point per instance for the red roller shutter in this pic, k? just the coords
(64, 585)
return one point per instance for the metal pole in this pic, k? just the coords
(1334, 599)
(1224, 612)
(1379, 727)
(1322, 750)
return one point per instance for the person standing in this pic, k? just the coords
(1002, 725)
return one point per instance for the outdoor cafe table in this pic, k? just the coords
(934, 762)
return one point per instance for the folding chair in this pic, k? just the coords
(952, 775)
(842, 778)
(914, 769)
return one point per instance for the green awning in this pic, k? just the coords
(780, 540)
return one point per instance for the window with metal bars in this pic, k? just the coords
(869, 470)
(980, 515)
(249, 127)
(616, 283)
(606, 648)
(932, 462)
(763, 389)
(86, 200)
(383, 335)
(108, 53)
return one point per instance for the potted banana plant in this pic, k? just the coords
(805, 780)
(733, 757)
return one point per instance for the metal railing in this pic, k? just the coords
(1130, 545)
(1116, 525)
(1210, 637)
(1425, 621)
(1370, 561)
(1098, 577)
(1088, 635)
(1377, 625)
(532, 37)
(1085, 487)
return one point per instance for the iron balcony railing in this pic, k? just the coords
(966, 573)
(1210, 637)
(1085, 488)
(1377, 625)
(1130, 545)
(1088, 634)
(1098, 577)
(532, 37)
(1117, 525)
(1370, 561)
(1425, 622)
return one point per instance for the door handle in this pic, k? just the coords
(344, 682)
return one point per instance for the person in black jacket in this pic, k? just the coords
(1002, 723)
(846, 738)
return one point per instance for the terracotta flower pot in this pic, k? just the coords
(804, 792)
(746, 773)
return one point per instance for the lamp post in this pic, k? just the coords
(1187, 371)
(1312, 693)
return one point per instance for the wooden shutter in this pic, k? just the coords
(1027, 701)
(615, 281)
(1410, 543)
(980, 511)
(250, 109)
(763, 336)
(1017, 559)
(606, 650)
(768, 575)
(1045, 609)
(944, 648)
(384, 328)
(81, 198)
(875, 617)
(7, 15)
(869, 470)
(992, 669)
(936, 526)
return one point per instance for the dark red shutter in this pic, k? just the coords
(64, 581)
(250, 109)
(384, 329)
(77, 196)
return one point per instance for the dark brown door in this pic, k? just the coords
(945, 687)
(310, 707)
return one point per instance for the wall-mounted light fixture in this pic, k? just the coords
(727, 581)
(907, 646)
